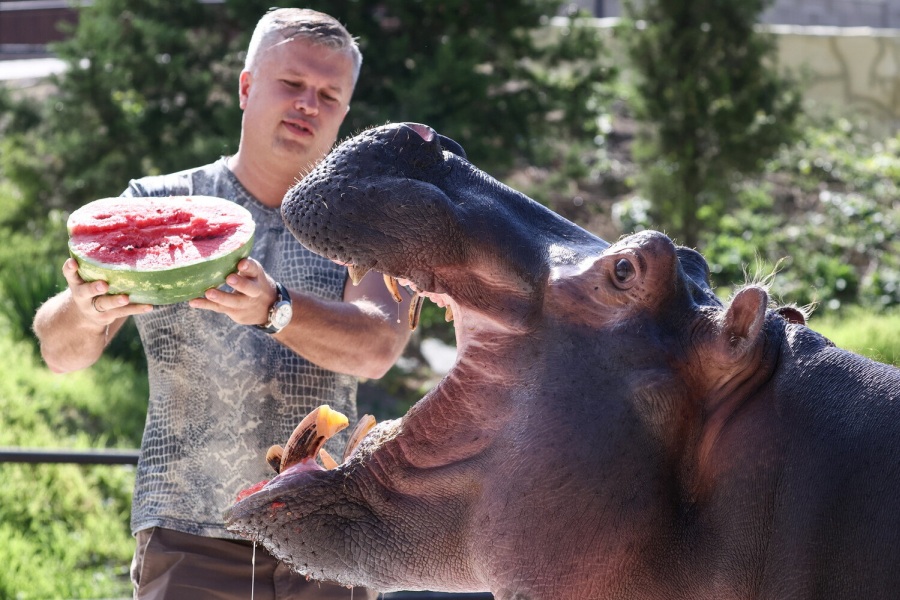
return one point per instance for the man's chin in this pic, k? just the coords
(304, 155)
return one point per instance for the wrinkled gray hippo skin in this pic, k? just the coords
(610, 429)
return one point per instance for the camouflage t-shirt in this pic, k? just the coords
(222, 393)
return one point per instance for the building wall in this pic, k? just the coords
(26, 26)
(839, 13)
(847, 68)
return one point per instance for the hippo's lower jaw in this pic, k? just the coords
(293, 512)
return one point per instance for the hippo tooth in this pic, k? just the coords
(415, 310)
(273, 457)
(448, 314)
(393, 288)
(356, 273)
(312, 432)
(327, 461)
(362, 429)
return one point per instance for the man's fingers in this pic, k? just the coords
(116, 306)
(70, 272)
(102, 303)
(249, 267)
(220, 301)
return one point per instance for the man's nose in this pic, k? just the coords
(307, 101)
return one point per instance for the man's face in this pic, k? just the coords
(294, 102)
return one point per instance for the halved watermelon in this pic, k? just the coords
(160, 250)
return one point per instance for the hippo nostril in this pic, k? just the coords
(426, 132)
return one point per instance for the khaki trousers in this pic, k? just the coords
(171, 565)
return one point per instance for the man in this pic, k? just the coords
(226, 381)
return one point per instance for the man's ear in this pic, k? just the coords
(244, 88)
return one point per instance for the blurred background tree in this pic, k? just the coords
(148, 89)
(712, 104)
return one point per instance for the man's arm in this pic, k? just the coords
(364, 335)
(358, 336)
(73, 328)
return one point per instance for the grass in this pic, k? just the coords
(874, 335)
(64, 529)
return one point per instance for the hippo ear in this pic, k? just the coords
(744, 320)
(792, 314)
(451, 146)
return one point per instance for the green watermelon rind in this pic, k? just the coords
(164, 286)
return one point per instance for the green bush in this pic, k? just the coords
(65, 528)
(823, 216)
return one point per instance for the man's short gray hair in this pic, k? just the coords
(281, 24)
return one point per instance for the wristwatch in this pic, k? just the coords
(280, 312)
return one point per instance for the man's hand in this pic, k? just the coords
(249, 303)
(92, 302)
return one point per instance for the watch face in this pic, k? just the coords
(281, 316)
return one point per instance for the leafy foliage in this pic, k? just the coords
(75, 518)
(823, 214)
(140, 96)
(713, 107)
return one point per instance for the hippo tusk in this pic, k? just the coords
(357, 273)
(327, 461)
(391, 284)
(415, 310)
(273, 457)
(362, 429)
(311, 434)
(448, 314)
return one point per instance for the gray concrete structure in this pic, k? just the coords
(838, 13)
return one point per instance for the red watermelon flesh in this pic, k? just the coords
(162, 235)
(160, 250)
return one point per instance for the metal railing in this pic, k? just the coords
(130, 457)
(81, 457)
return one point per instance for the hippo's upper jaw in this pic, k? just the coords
(402, 200)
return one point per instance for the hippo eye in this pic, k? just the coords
(624, 271)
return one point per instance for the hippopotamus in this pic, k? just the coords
(611, 428)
